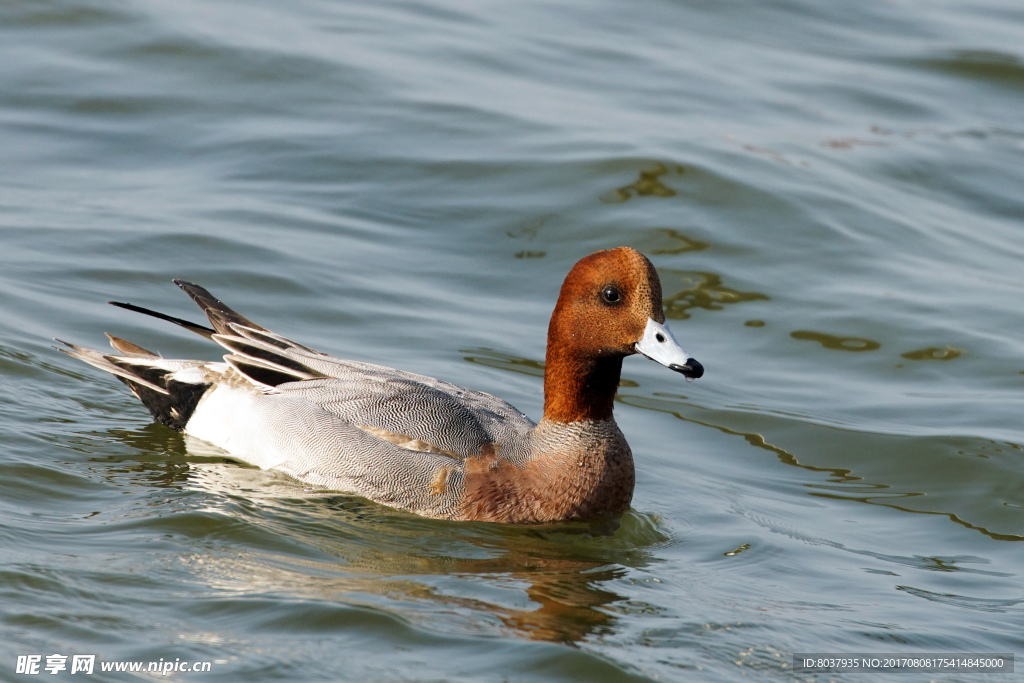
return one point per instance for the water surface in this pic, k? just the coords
(831, 193)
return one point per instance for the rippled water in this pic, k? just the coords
(831, 192)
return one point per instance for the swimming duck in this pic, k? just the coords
(414, 442)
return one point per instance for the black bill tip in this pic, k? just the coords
(692, 369)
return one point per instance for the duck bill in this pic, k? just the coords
(659, 345)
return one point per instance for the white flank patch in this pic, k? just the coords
(226, 417)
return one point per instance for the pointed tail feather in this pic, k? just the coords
(219, 313)
(225, 320)
(194, 327)
(106, 363)
(150, 377)
(171, 389)
(129, 349)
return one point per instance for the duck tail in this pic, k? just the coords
(202, 330)
(220, 314)
(170, 389)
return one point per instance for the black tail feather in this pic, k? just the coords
(257, 353)
(194, 327)
(173, 408)
(170, 401)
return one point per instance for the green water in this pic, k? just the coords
(830, 191)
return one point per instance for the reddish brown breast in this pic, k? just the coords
(579, 470)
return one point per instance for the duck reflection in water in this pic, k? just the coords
(550, 583)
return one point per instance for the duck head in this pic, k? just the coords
(610, 307)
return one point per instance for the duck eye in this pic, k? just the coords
(611, 295)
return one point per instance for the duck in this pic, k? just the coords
(413, 442)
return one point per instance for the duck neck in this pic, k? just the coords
(579, 389)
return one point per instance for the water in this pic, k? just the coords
(831, 192)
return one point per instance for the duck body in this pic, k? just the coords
(414, 442)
